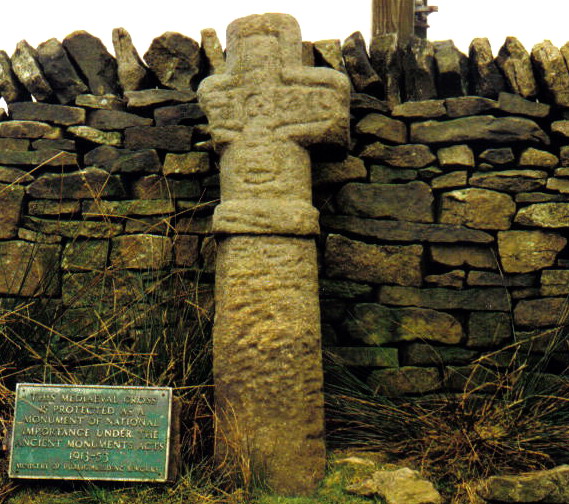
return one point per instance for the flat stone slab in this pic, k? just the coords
(55, 114)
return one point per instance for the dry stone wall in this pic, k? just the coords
(443, 227)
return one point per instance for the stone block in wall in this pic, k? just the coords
(29, 269)
(554, 282)
(141, 161)
(157, 225)
(382, 127)
(34, 237)
(362, 262)
(158, 187)
(419, 70)
(344, 289)
(102, 102)
(401, 156)
(365, 356)
(452, 70)
(426, 109)
(394, 382)
(54, 207)
(105, 209)
(552, 72)
(454, 278)
(361, 103)
(464, 255)
(543, 312)
(468, 106)
(547, 215)
(64, 144)
(83, 255)
(48, 157)
(55, 114)
(351, 169)
(488, 329)
(308, 56)
(194, 225)
(141, 251)
(112, 120)
(386, 60)
(94, 61)
(477, 208)
(515, 104)
(489, 278)
(11, 199)
(11, 175)
(391, 230)
(485, 78)
(11, 88)
(423, 354)
(329, 53)
(386, 175)
(154, 97)
(558, 184)
(28, 70)
(29, 129)
(387, 200)
(490, 299)
(478, 128)
(190, 163)
(168, 138)
(208, 252)
(456, 155)
(502, 156)
(364, 78)
(511, 181)
(59, 71)
(96, 136)
(532, 157)
(452, 180)
(212, 52)
(186, 250)
(526, 251)
(132, 73)
(374, 324)
(89, 183)
(515, 63)
(540, 197)
(184, 113)
(17, 144)
(73, 229)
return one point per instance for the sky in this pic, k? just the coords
(460, 20)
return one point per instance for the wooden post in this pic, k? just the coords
(393, 16)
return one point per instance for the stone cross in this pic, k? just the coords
(263, 113)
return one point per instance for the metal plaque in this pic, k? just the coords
(91, 432)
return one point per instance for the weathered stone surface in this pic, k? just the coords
(56, 114)
(515, 104)
(46, 157)
(451, 180)
(32, 236)
(383, 127)
(488, 278)
(426, 109)
(154, 97)
(81, 255)
(142, 161)
(479, 128)
(351, 169)
(11, 175)
(132, 72)
(365, 356)
(502, 156)
(477, 208)
(59, 72)
(515, 63)
(186, 164)
(11, 88)
(73, 229)
(186, 250)
(175, 60)
(94, 61)
(554, 282)
(452, 70)
(102, 208)
(103, 102)
(543, 312)
(461, 255)
(548, 215)
(308, 57)
(51, 207)
(488, 329)
(212, 52)
(29, 269)
(89, 183)
(28, 70)
(385, 55)
(28, 129)
(141, 251)
(329, 52)
(561, 128)
(96, 136)
(558, 184)
(387, 200)
(552, 72)
(419, 70)
(424, 354)
(525, 251)
(17, 144)
(456, 155)
(157, 187)
(485, 78)
(551, 486)
(363, 76)
(403, 156)
(404, 231)
(386, 175)
(534, 157)
(11, 198)
(454, 278)
(170, 138)
(469, 105)
(374, 324)
(491, 299)
(185, 113)
(510, 180)
(355, 260)
(394, 382)
(109, 120)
